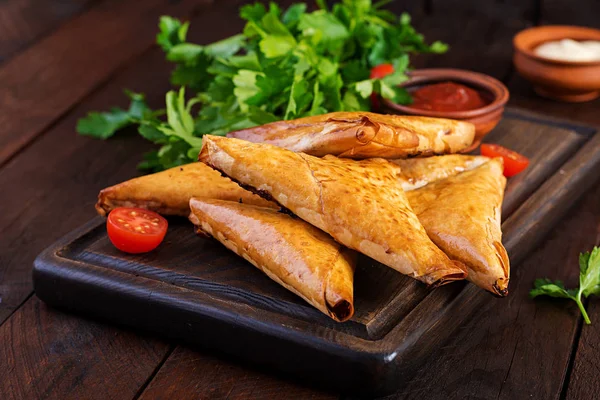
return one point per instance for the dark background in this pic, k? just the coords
(60, 59)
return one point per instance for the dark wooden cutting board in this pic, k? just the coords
(194, 290)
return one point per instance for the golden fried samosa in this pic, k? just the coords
(364, 135)
(461, 214)
(359, 203)
(418, 172)
(169, 192)
(295, 254)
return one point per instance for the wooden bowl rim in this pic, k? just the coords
(523, 37)
(484, 82)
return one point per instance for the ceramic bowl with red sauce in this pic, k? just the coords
(455, 94)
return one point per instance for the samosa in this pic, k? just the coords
(461, 214)
(359, 203)
(364, 135)
(293, 253)
(169, 192)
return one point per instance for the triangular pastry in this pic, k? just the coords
(293, 253)
(169, 192)
(359, 203)
(461, 214)
(418, 172)
(364, 135)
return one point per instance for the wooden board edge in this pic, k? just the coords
(568, 184)
(565, 123)
(395, 360)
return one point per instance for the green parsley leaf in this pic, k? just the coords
(171, 32)
(589, 277)
(364, 88)
(103, 125)
(185, 52)
(300, 99)
(277, 46)
(292, 16)
(324, 30)
(284, 64)
(253, 12)
(227, 47)
(589, 282)
(545, 287)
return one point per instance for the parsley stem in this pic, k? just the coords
(586, 318)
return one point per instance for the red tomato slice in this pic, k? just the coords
(379, 72)
(514, 162)
(135, 230)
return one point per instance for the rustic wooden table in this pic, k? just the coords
(62, 58)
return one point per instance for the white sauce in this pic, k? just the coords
(570, 50)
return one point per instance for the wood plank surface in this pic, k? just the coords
(53, 189)
(52, 355)
(43, 82)
(59, 163)
(583, 382)
(23, 22)
(183, 374)
(492, 356)
(516, 347)
(62, 163)
(188, 374)
(54, 184)
(495, 355)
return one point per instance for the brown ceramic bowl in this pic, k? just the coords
(484, 118)
(572, 81)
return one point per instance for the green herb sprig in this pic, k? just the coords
(589, 283)
(285, 64)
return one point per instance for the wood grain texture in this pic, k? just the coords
(193, 282)
(475, 364)
(46, 80)
(522, 95)
(583, 380)
(54, 184)
(57, 170)
(50, 355)
(188, 374)
(23, 22)
(469, 366)
(497, 354)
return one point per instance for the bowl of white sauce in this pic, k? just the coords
(562, 62)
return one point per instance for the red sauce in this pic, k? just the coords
(447, 96)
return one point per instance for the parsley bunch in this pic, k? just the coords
(589, 282)
(284, 65)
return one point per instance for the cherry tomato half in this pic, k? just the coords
(135, 230)
(379, 72)
(513, 161)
